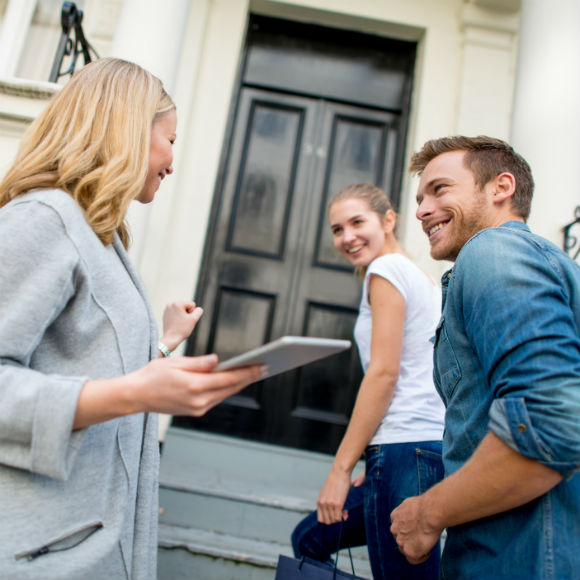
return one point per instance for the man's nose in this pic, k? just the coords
(424, 209)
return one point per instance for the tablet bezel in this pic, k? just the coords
(286, 353)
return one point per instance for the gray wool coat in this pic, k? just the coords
(77, 504)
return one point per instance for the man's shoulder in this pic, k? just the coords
(486, 247)
(509, 239)
(496, 251)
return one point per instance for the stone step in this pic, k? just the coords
(228, 506)
(201, 554)
(233, 466)
(241, 515)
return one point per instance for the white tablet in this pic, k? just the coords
(286, 353)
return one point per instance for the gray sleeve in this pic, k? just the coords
(37, 280)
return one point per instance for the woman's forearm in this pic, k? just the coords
(105, 399)
(372, 402)
(175, 386)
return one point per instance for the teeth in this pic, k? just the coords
(354, 250)
(435, 229)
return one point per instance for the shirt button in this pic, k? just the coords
(522, 428)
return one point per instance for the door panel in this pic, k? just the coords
(263, 196)
(332, 63)
(361, 146)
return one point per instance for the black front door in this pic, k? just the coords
(269, 267)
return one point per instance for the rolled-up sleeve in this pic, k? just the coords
(37, 280)
(518, 318)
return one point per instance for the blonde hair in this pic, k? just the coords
(92, 141)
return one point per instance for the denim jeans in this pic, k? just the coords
(319, 542)
(393, 473)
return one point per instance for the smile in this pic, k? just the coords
(436, 228)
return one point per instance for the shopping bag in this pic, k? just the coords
(309, 569)
(297, 568)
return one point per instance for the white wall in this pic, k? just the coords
(546, 119)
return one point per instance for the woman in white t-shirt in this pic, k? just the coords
(397, 420)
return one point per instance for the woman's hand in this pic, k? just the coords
(185, 385)
(176, 386)
(179, 320)
(358, 480)
(332, 497)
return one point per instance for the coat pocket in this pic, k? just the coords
(61, 543)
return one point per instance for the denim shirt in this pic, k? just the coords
(507, 359)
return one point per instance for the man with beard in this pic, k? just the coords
(507, 366)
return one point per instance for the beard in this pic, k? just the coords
(460, 229)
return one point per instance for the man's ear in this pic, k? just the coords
(503, 187)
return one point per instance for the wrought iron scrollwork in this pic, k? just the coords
(70, 19)
(572, 236)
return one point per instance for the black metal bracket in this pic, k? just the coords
(572, 240)
(70, 18)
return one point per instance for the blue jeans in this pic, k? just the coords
(319, 542)
(393, 473)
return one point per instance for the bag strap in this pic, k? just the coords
(338, 552)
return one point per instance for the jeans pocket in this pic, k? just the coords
(65, 541)
(429, 468)
(372, 461)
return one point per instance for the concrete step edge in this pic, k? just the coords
(266, 497)
(219, 545)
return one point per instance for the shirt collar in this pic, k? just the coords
(513, 224)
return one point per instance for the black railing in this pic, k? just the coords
(71, 20)
(572, 236)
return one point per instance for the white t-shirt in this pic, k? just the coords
(416, 411)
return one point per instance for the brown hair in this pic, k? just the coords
(92, 141)
(486, 158)
(374, 196)
(376, 199)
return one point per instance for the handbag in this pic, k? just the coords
(297, 568)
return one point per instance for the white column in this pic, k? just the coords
(546, 114)
(151, 33)
(152, 36)
(13, 34)
(487, 72)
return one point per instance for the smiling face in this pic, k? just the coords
(358, 232)
(451, 207)
(160, 154)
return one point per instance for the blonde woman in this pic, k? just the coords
(397, 420)
(81, 377)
